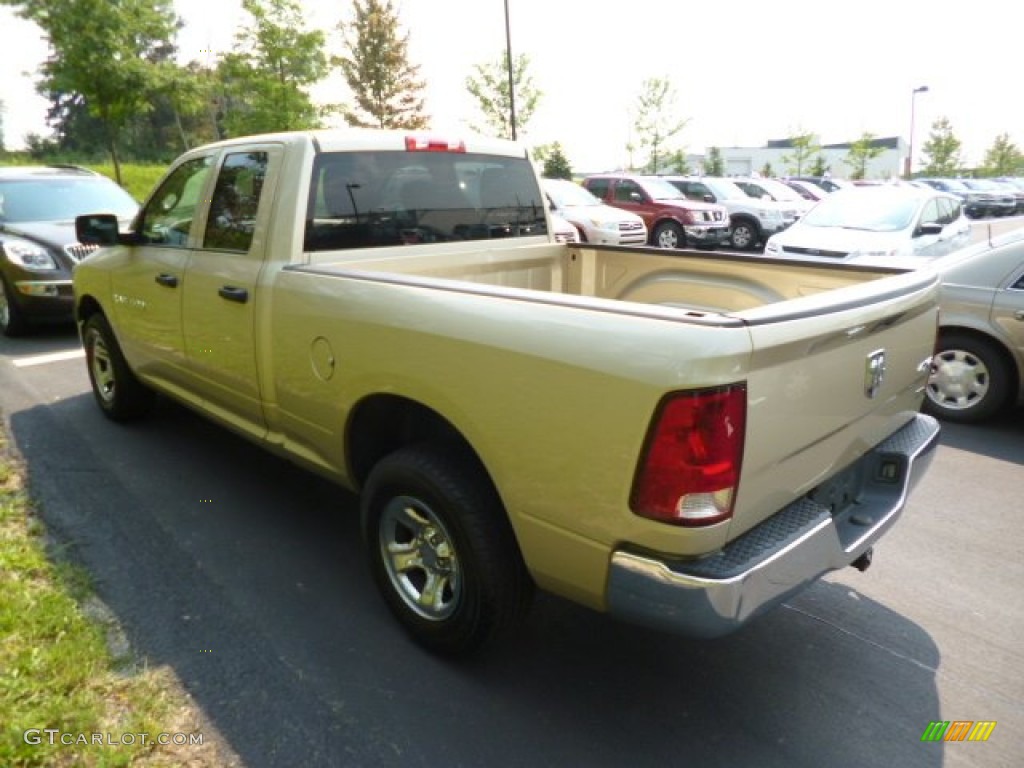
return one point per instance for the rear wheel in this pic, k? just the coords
(970, 380)
(668, 234)
(119, 394)
(442, 551)
(12, 319)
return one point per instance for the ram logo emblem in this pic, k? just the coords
(874, 373)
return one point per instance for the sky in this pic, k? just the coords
(745, 72)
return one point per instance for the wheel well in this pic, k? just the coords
(87, 307)
(747, 219)
(998, 345)
(381, 424)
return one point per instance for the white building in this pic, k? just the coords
(744, 161)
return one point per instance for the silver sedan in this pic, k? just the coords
(978, 367)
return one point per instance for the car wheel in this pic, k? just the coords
(442, 550)
(12, 318)
(668, 234)
(969, 382)
(120, 395)
(745, 235)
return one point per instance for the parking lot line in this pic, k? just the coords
(53, 357)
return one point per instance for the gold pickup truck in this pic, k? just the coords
(679, 439)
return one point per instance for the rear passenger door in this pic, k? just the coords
(221, 299)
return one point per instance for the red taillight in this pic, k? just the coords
(690, 468)
(431, 144)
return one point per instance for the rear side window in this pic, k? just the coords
(235, 201)
(375, 199)
(597, 187)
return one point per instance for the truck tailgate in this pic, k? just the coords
(831, 378)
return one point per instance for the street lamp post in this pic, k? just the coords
(511, 77)
(909, 166)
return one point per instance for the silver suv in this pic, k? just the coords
(751, 221)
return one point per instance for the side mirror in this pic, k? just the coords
(97, 229)
(930, 228)
(636, 197)
(709, 198)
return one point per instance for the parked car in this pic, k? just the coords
(38, 248)
(1003, 201)
(978, 366)
(595, 221)
(751, 221)
(805, 189)
(976, 203)
(876, 225)
(1010, 188)
(563, 229)
(826, 183)
(771, 189)
(673, 220)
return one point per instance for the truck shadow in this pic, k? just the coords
(246, 576)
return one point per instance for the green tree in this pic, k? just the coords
(490, 87)
(556, 164)
(386, 86)
(767, 171)
(714, 165)
(263, 80)
(105, 53)
(656, 118)
(861, 152)
(942, 151)
(805, 145)
(1003, 158)
(820, 167)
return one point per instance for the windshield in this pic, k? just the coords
(659, 189)
(567, 194)
(725, 190)
(863, 209)
(62, 199)
(774, 190)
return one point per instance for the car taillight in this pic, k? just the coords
(432, 144)
(690, 469)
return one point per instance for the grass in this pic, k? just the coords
(57, 669)
(139, 180)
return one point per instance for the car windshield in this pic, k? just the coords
(952, 185)
(864, 209)
(773, 189)
(726, 190)
(568, 194)
(62, 199)
(659, 189)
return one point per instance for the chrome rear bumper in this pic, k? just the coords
(784, 554)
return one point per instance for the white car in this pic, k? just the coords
(596, 222)
(882, 225)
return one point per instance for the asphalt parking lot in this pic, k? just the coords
(244, 575)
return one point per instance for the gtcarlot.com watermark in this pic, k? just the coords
(55, 736)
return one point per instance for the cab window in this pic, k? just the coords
(167, 218)
(235, 202)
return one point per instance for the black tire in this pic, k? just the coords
(970, 380)
(442, 551)
(668, 234)
(745, 235)
(12, 318)
(119, 394)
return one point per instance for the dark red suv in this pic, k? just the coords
(672, 220)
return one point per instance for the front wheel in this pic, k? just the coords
(442, 551)
(745, 236)
(119, 394)
(12, 319)
(668, 234)
(970, 381)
